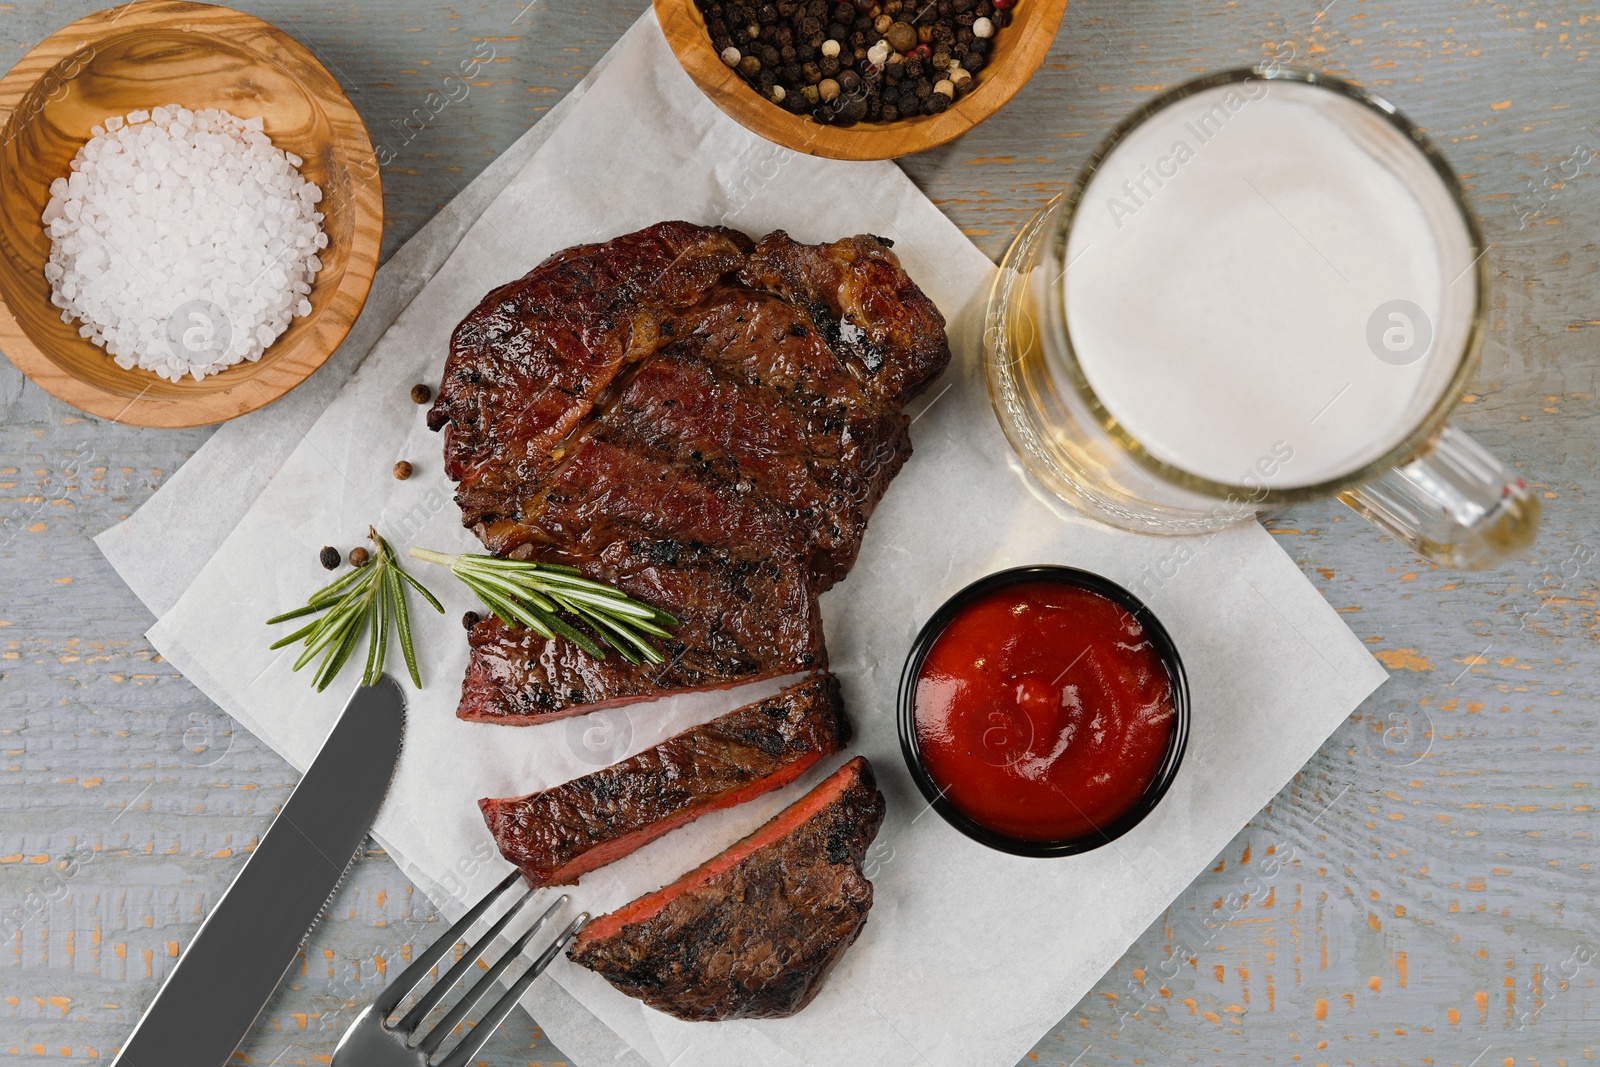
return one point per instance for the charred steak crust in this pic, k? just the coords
(558, 834)
(682, 386)
(872, 312)
(752, 933)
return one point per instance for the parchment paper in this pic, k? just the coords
(969, 955)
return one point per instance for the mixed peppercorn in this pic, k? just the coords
(861, 60)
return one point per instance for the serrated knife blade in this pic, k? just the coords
(252, 935)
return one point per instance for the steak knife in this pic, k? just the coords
(254, 932)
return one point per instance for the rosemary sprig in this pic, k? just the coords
(367, 600)
(545, 596)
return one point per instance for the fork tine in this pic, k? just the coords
(470, 998)
(397, 990)
(420, 1009)
(486, 1027)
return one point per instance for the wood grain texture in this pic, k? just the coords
(141, 56)
(1018, 50)
(1420, 894)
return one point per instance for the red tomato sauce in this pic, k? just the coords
(1043, 710)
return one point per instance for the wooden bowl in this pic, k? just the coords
(140, 56)
(1018, 50)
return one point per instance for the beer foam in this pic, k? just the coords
(1268, 283)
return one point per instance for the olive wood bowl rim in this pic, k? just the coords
(685, 30)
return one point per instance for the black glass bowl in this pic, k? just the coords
(1176, 742)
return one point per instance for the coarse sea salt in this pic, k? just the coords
(183, 241)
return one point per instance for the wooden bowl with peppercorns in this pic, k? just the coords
(862, 79)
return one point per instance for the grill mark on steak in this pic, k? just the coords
(813, 468)
(753, 932)
(681, 386)
(558, 834)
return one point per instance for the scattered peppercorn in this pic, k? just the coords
(421, 394)
(402, 470)
(359, 557)
(470, 619)
(329, 557)
(848, 61)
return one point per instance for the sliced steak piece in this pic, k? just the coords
(739, 620)
(752, 933)
(560, 833)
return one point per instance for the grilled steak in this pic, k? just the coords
(560, 833)
(752, 933)
(709, 419)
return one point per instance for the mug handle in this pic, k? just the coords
(1454, 504)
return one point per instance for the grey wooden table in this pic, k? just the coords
(1439, 905)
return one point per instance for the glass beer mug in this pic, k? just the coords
(1265, 287)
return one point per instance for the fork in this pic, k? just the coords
(374, 1041)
